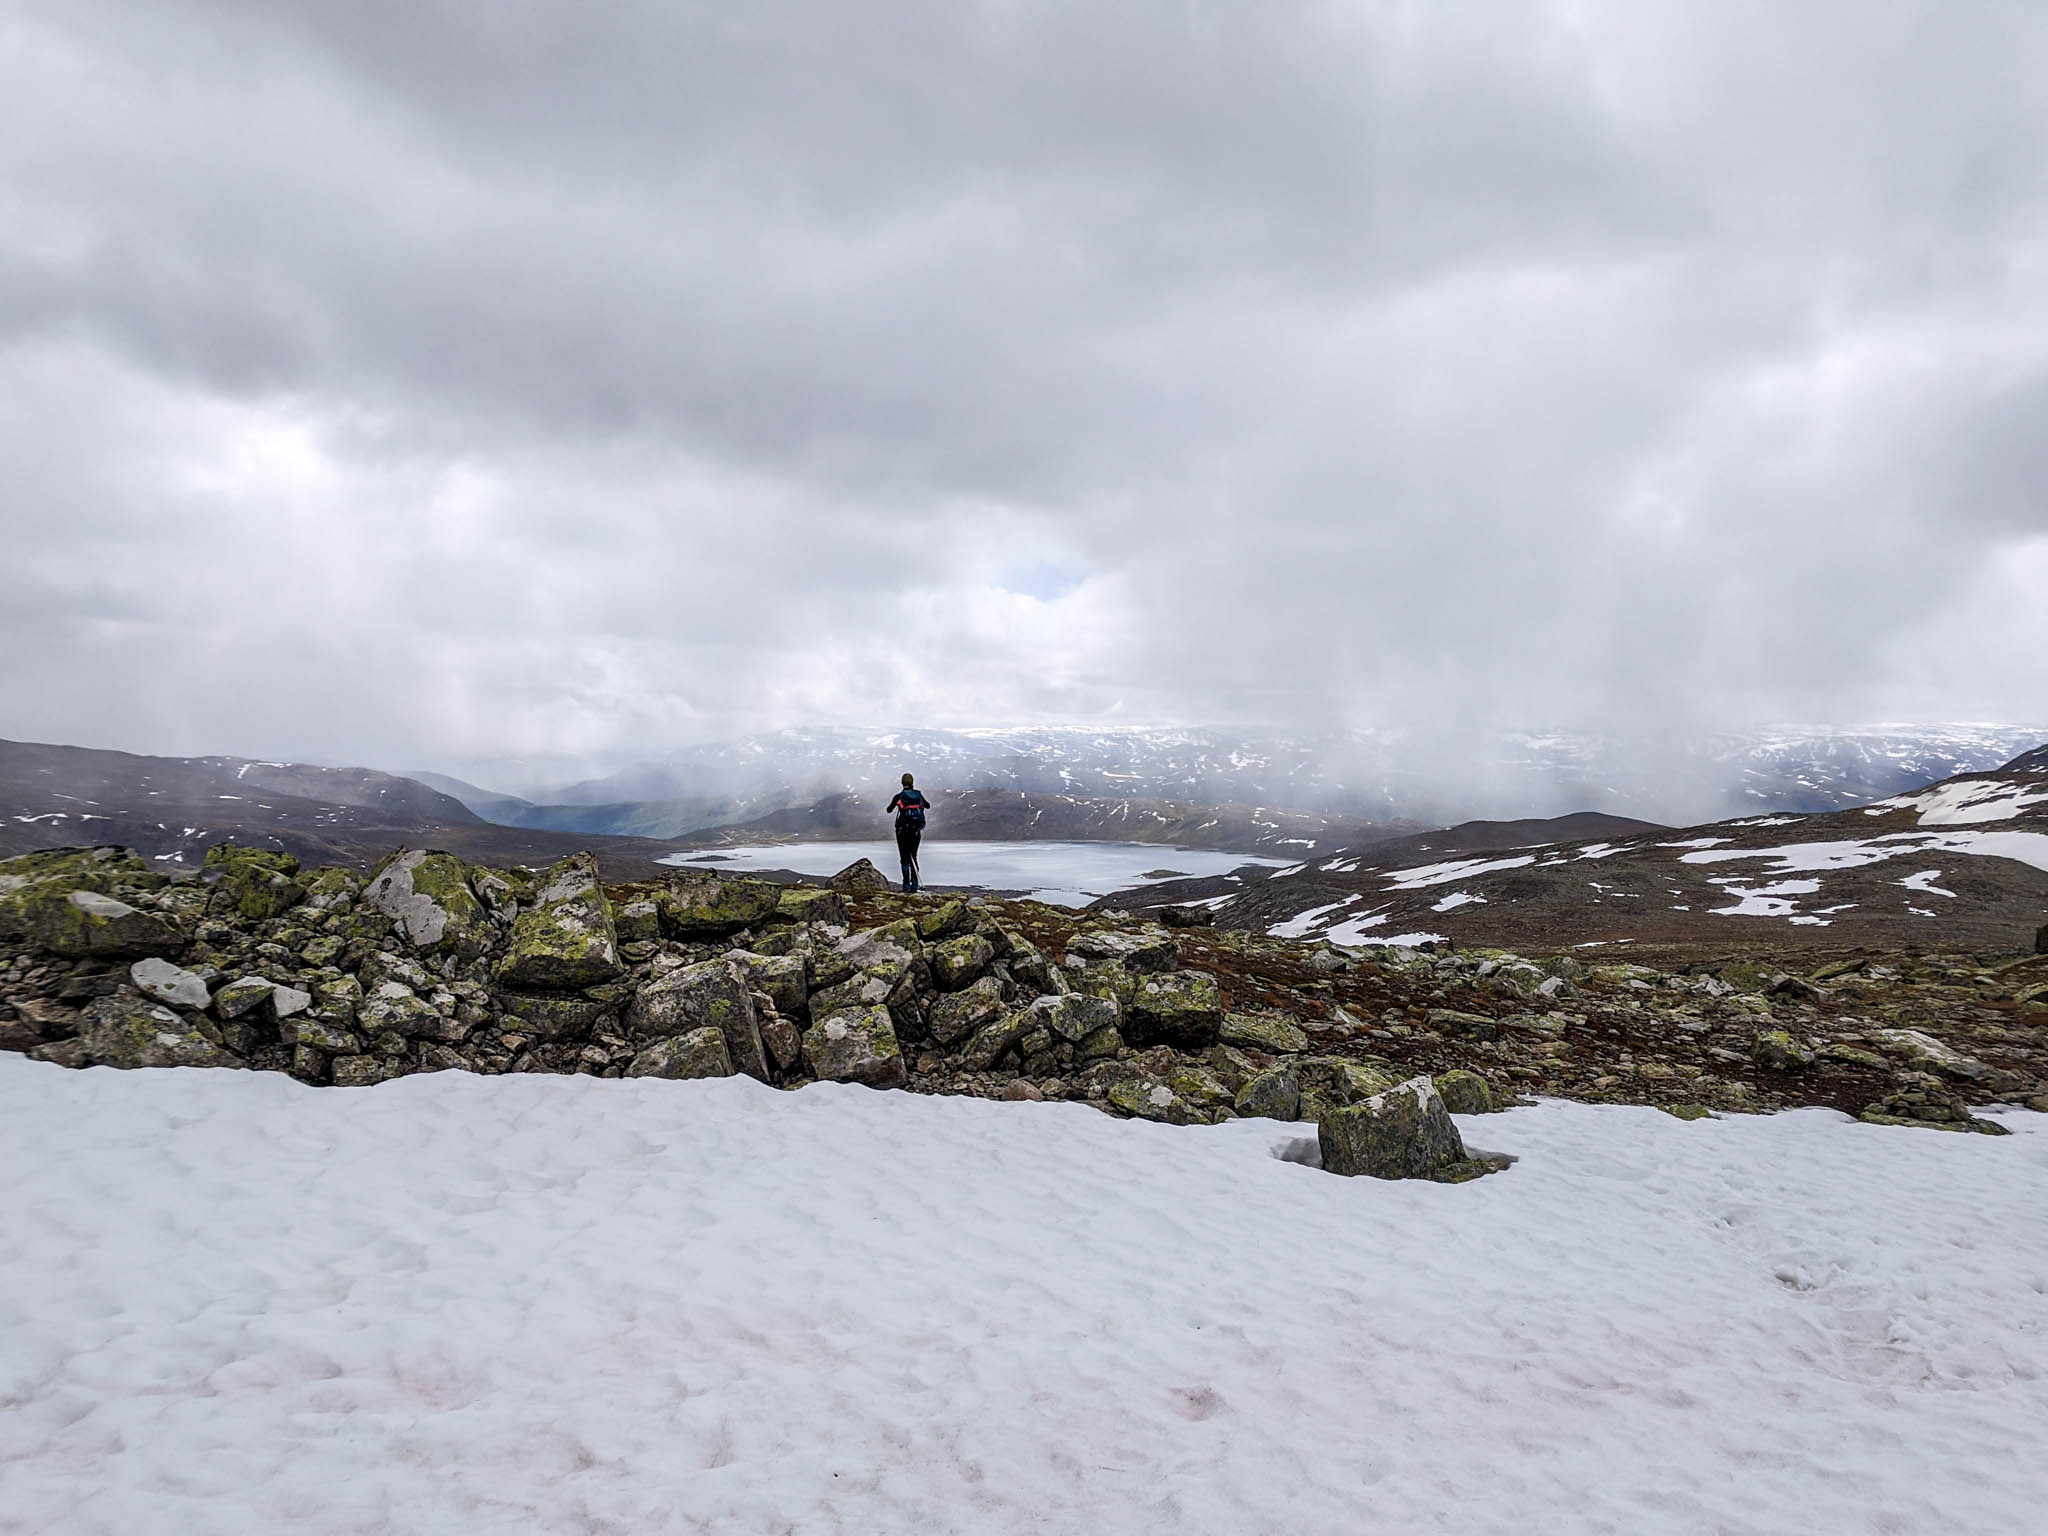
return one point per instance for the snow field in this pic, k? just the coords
(230, 1303)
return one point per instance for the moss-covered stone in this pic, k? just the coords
(252, 883)
(700, 1053)
(56, 871)
(427, 896)
(83, 925)
(1775, 1050)
(784, 978)
(1466, 1093)
(1687, 1111)
(1331, 1083)
(126, 1029)
(810, 904)
(565, 939)
(708, 905)
(1271, 1032)
(637, 922)
(1274, 1094)
(957, 1015)
(1179, 1008)
(711, 995)
(1404, 1133)
(957, 962)
(858, 1046)
(1141, 952)
(1150, 1098)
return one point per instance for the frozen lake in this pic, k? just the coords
(1063, 874)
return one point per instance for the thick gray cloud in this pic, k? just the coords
(410, 381)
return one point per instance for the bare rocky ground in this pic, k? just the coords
(432, 963)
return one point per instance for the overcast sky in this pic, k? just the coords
(408, 382)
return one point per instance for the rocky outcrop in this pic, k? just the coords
(126, 1029)
(85, 925)
(710, 995)
(565, 938)
(1178, 1008)
(252, 883)
(699, 1053)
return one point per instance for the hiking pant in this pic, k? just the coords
(907, 838)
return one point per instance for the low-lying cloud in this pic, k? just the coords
(412, 382)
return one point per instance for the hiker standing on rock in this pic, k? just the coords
(909, 806)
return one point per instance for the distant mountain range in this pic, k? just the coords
(1386, 779)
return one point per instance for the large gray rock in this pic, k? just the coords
(125, 1029)
(1075, 1016)
(956, 1015)
(782, 977)
(707, 905)
(1271, 1032)
(428, 898)
(858, 1046)
(711, 995)
(252, 883)
(1179, 1008)
(700, 1053)
(1274, 1094)
(1142, 952)
(565, 939)
(1404, 1133)
(28, 877)
(85, 925)
(1331, 1083)
(162, 982)
(957, 962)
(392, 1008)
(860, 878)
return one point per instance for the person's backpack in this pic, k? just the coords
(913, 811)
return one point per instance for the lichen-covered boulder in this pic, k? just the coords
(700, 1053)
(637, 922)
(1196, 1085)
(392, 1008)
(252, 883)
(957, 962)
(55, 871)
(860, 878)
(565, 939)
(782, 977)
(710, 995)
(85, 925)
(1271, 1032)
(1075, 1016)
(1142, 952)
(954, 1016)
(1458, 1024)
(857, 1046)
(174, 986)
(705, 905)
(995, 1040)
(126, 1029)
(784, 1042)
(1776, 1050)
(810, 904)
(427, 896)
(1924, 1051)
(1148, 1098)
(1178, 1008)
(945, 920)
(1466, 1093)
(1331, 1083)
(332, 889)
(1274, 1094)
(1404, 1133)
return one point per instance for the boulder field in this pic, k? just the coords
(427, 963)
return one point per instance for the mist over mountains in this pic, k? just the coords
(1393, 777)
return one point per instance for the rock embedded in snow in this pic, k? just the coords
(856, 1046)
(565, 939)
(163, 982)
(125, 1029)
(1404, 1133)
(700, 1053)
(712, 994)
